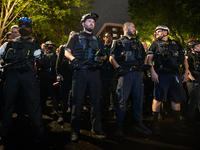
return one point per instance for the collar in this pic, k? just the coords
(125, 37)
(86, 34)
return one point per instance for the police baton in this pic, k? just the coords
(14, 62)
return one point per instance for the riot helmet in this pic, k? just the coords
(25, 21)
(192, 43)
(49, 45)
(25, 26)
(89, 16)
(162, 27)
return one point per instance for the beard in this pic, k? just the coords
(160, 37)
(130, 33)
(90, 29)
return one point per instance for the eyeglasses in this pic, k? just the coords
(107, 36)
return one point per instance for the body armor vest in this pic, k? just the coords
(86, 48)
(130, 52)
(169, 56)
(19, 49)
(194, 61)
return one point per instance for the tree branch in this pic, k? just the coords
(23, 7)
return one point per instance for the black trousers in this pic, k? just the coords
(83, 79)
(47, 89)
(108, 88)
(65, 87)
(194, 98)
(14, 81)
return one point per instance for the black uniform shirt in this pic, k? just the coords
(20, 48)
(129, 56)
(75, 39)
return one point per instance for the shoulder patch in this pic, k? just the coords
(94, 37)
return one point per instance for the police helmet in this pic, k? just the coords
(163, 27)
(88, 16)
(49, 43)
(25, 21)
(192, 43)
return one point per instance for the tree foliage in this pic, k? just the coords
(52, 19)
(181, 16)
(9, 12)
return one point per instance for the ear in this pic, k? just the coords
(125, 28)
(83, 24)
(165, 32)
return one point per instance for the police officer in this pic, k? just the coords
(47, 75)
(169, 70)
(128, 56)
(83, 50)
(64, 76)
(193, 85)
(108, 76)
(18, 58)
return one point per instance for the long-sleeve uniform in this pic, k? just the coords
(84, 46)
(21, 75)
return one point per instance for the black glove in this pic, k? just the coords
(120, 71)
(76, 64)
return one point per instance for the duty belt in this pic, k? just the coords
(170, 70)
(90, 66)
(20, 69)
(133, 68)
(106, 68)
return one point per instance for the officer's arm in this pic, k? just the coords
(2, 48)
(69, 46)
(150, 62)
(59, 60)
(8, 45)
(113, 61)
(113, 54)
(59, 64)
(68, 54)
(186, 66)
(187, 72)
(154, 75)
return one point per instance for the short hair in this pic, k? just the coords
(108, 33)
(127, 24)
(15, 26)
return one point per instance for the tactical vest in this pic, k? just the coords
(130, 52)
(169, 56)
(18, 50)
(86, 48)
(194, 61)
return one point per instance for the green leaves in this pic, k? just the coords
(52, 19)
(181, 16)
